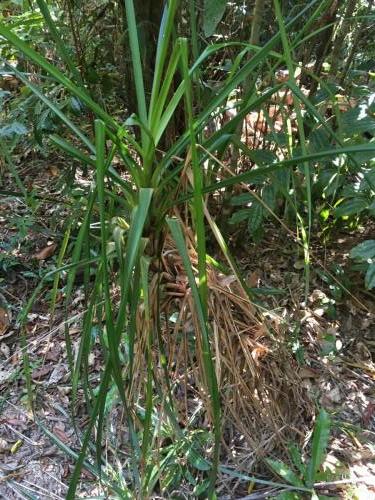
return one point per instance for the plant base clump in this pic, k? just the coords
(260, 392)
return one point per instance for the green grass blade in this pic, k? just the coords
(235, 80)
(243, 73)
(77, 251)
(61, 49)
(227, 254)
(146, 438)
(324, 5)
(163, 94)
(259, 58)
(137, 66)
(209, 368)
(133, 242)
(100, 174)
(166, 27)
(198, 181)
(292, 162)
(169, 111)
(22, 317)
(256, 480)
(133, 308)
(71, 150)
(100, 400)
(302, 143)
(78, 374)
(113, 343)
(60, 259)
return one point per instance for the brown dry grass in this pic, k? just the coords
(261, 396)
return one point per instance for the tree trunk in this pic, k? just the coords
(342, 32)
(148, 15)
(323, 46)
(257, 22)
(360, 32)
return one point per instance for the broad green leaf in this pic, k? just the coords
(12, 129)
(269, 196)
(197, 460)
(241, 199)
(201, 488)
(352, 206)
(262, 156)
(172, 477)
(318, 140)
(284, 471)
(295, 455)
(213, 13)
(240, 216)
(319, 444)
(288, 495)
(363, 251)
(369, 178)
(54, 108)
(370, 277)
(357, 121)
(255, 217)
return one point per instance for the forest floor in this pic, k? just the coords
(333, 336)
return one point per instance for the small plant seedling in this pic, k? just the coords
(364, 253)
(306, 474)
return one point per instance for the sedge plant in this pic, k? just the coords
(134, 214)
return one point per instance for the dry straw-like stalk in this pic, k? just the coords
(261, 397)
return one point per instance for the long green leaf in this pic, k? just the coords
(297, 160)
(59, 264)
(64, 54)
(319, 445)
(198, 181)
(72, 151)
(162, 97)
(137, 66)
(208, 363)
(146, 439)
(165, 31)
(232, 84)
(284, 472)
(140, 215)
(302, 143)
